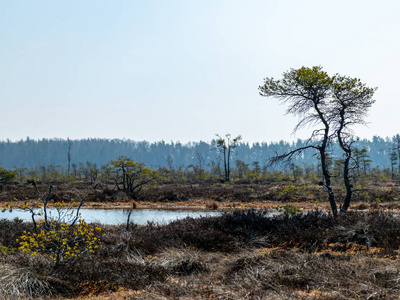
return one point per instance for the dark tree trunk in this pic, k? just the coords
(324, 165)
(327, 178)
(346, 147)
(225, 167)
(229, 166)
(346, 179)
(128, 221)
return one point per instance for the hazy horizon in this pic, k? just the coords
(184, 70)
(243, 141)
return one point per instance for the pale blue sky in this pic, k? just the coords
(184, 70)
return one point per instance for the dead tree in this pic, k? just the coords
(225, 147)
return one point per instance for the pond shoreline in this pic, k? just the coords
(204, 205)
(114, 216)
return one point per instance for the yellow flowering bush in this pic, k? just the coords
(62, 236)
(60, 241)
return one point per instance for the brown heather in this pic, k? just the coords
(239, 255)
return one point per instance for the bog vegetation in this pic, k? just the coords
(244, 254)
(305, 249)
(239, 255)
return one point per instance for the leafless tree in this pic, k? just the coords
(69, 155)
(226, 146)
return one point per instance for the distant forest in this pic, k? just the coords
(30, 153)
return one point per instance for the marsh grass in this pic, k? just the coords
(20, 283)
(238, 255)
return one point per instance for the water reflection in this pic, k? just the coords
(119, 216)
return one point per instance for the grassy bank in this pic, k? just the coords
(239, 255)
(380, 195)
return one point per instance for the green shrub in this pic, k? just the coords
(288, 209)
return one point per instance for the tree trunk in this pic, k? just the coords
(346, 179)
(225, 167)
(229, 167)
(327, 178)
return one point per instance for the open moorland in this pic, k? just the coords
(243, 254)
(268, 194)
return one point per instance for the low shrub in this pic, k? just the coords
(125, 258)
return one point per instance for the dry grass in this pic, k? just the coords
(183, 261)
(308, 275)
(20, 283)
(238, 255)
(212, 205)
(273, 274)
(264, 195)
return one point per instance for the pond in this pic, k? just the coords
(115, 216)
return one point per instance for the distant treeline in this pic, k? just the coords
(30, 153)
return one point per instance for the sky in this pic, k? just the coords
(185, 70)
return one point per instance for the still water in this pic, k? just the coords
(119, 216)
